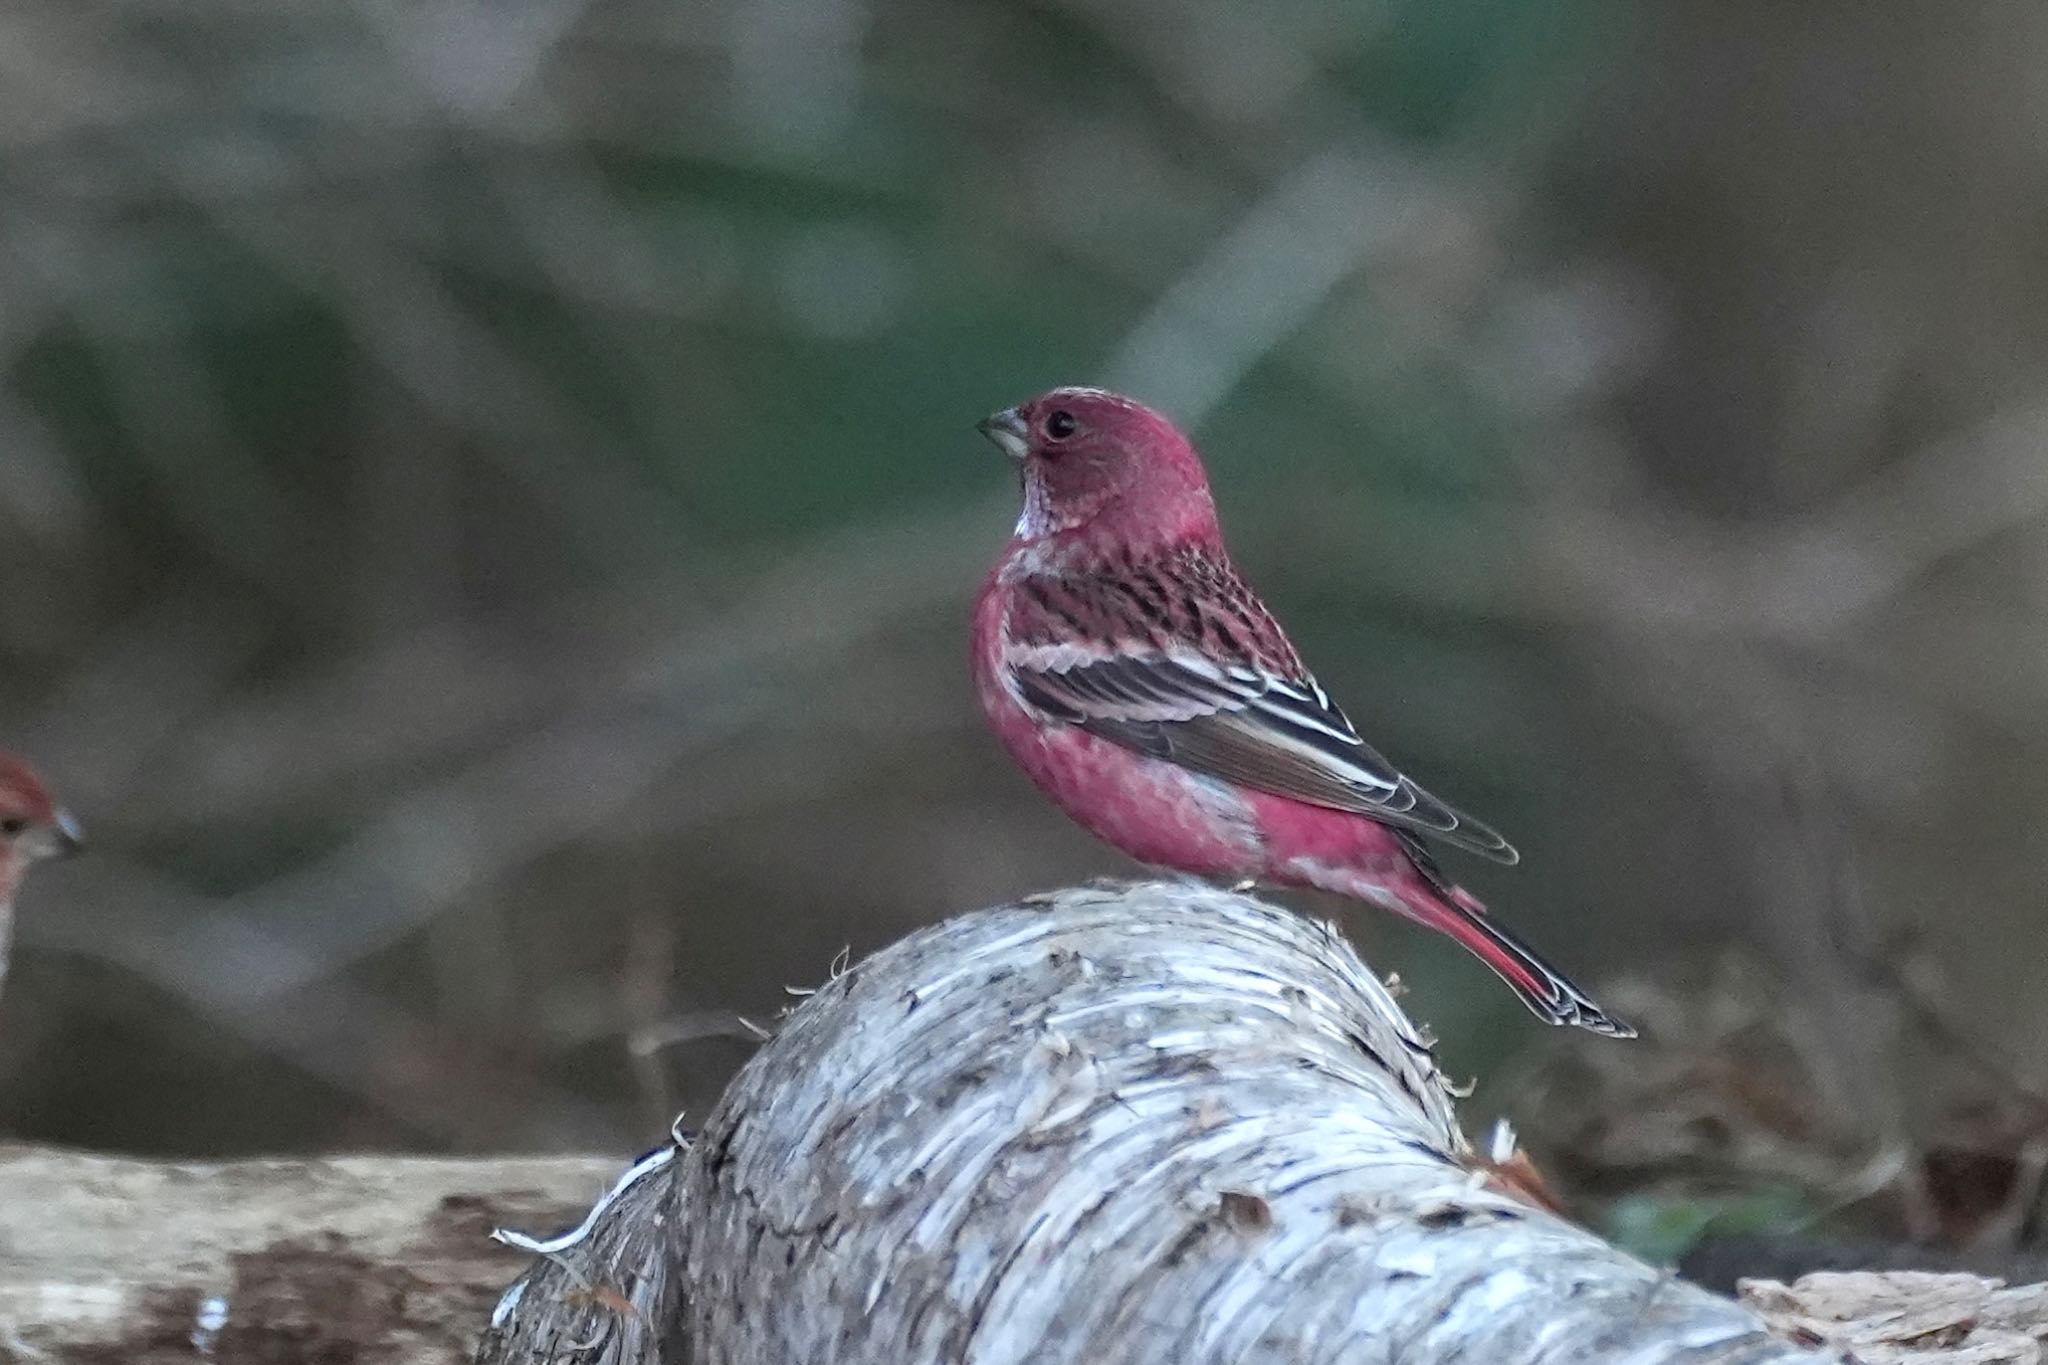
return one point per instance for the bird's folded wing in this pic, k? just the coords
(1242, 724)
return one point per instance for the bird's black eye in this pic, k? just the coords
(12, 825)
(1060, 424)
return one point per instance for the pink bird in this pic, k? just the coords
(1146, 689)
(32, 828)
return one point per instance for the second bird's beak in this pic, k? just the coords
(65, 837)
(1007, 430)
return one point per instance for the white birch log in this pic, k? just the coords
(1123, 1125)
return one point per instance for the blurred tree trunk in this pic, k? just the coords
(345, 1258)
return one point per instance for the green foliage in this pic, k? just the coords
(1661, 1228)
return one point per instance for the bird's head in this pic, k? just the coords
(32, 826)
(1097, 460)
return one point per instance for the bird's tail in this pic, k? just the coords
(1548, 992)
(1432, 900)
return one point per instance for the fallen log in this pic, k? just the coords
(1134, 1124)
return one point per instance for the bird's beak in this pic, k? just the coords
(64, 838)
(1007, 430)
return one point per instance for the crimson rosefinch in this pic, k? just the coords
(1145, 688)
(32, 828)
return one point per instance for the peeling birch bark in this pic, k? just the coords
(1117, 1125)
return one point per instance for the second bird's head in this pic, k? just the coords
(32, 826)
(1097, 460)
